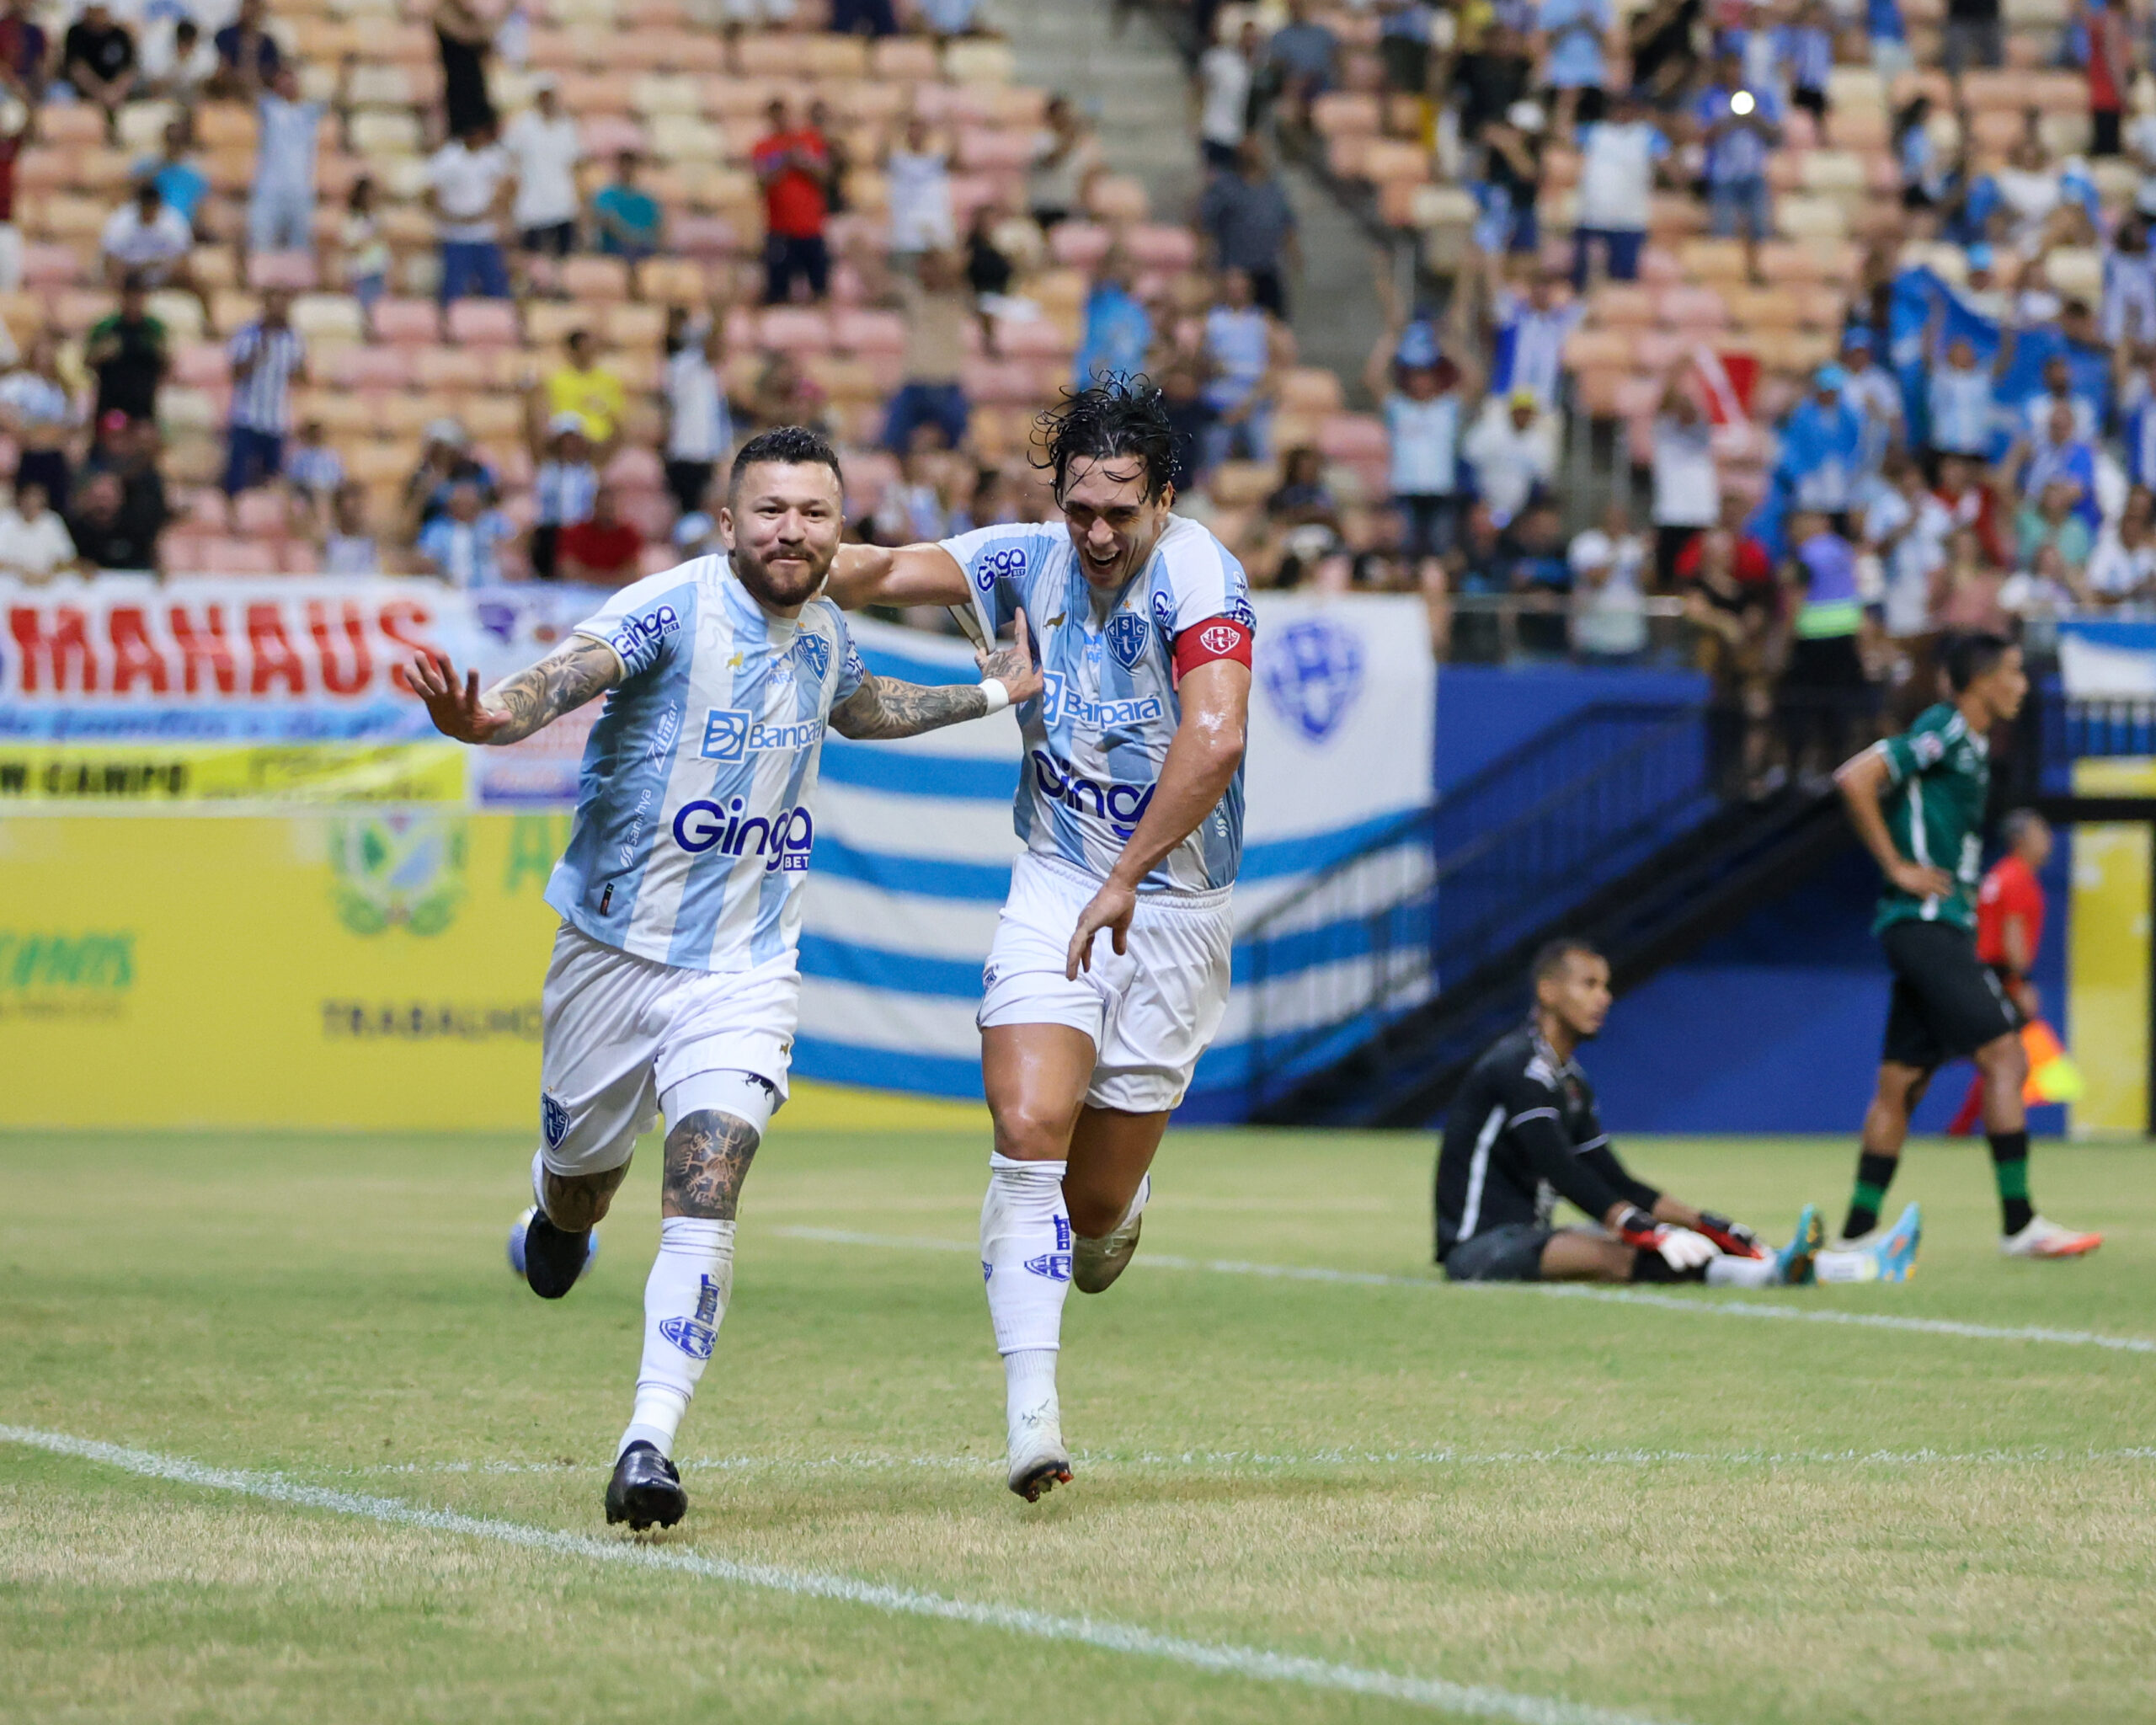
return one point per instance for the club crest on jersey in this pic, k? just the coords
(816, 652)
(1313, 672)
(691, 1337)
(1126, 633)
(553, 1121)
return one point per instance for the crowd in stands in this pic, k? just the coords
(1827, 324)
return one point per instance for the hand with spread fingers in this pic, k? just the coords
(1013, 666)
(454, 704)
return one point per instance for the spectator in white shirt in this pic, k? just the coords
(280, 212)
(179, 61)
(267, 358)
(543, 144)
(463, 544)
(1958, 396)
(699, 428)
(918, 172)
(1618, 158)
(147, 238)
(1609, 617)
(470, 182)
(1224, 75)
(1512, 456)
(2122, 568)
(1687, 483)
(1424, 406)
(34, 540)
(1907, 528)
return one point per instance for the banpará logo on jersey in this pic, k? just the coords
(1009, 564)
(636, 637)
(1122, 806)
(816, 652)
(783, 842)
(1126, 633)
(731, 732)
(1059, 703)
(1312, 671)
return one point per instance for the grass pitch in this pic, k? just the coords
(1685, 1516)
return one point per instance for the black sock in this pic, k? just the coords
(2009, 1167)
(1875, 1173)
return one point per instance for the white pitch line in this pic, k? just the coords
(1560, 1291)
(1232, 1459)
(1474, 1700)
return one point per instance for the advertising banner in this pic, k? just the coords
(336, 918)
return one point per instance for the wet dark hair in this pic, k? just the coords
(1969, 657)
(1116, 416)
(1550, 956)
(792, 445)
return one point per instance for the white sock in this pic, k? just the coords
(1025, 1257)
(684, 1302)
(539, 1180)
(1029, 1384)
(1741, 1273)
(1861, 1265)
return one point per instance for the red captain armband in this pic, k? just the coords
(1216, 638)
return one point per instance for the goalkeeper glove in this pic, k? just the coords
(1734, 1238)
(1680, 1248)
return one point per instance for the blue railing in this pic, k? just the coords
(1447, 889)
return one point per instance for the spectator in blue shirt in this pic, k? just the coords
(628, 220)
(179, 182)
(1118, 330)
(463, 544)
(248, 55)
(1571, 34)
(1739, 126)
(1302, 58)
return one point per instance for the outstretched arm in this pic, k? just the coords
(1201, 759)
(883, 707)
(581, 667)
(912, 574)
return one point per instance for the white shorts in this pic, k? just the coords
(620, 1032)
(1151, 1011)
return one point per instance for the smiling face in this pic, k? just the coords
(782, 522)
(1113, 525)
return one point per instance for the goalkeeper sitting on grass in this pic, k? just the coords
(1523, 1132)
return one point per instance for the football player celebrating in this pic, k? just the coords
(674, 984)
(1130, 804)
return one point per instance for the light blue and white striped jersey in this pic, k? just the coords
(693, 828)
(262, 401)
(1096, 737)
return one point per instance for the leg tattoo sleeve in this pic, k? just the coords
(707, 1156)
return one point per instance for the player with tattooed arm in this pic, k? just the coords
(673, 987)
(1130, 803)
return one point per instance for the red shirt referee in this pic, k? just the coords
(2009, 928)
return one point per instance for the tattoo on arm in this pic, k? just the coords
(881, 708)
(537, 696)
(707, 1156)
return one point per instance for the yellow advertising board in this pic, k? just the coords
(347, 970)
(152, 774)
(2108, 954)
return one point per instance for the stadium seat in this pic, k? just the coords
(406, 322)
(481, 323)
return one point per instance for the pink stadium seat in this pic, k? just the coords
(587, 279)
(298, 556)
(904, 59)
(1340, 113)
(981, 149)
(1154, 245)
(794, 329)
(703, 235)
(1079, 244)
(295, 270)
(607, 135)
(260, 514)
(482, 324)
(636, 469)
(208, 512)
(408, 322)
(1033, 339)
(1352, 437)
(1622, 305)
(862, 332)
(370, 367)
(1693, 307)
(45, 265)
(996, 383)
(200, 365)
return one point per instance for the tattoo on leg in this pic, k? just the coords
(576, 1202)
(707, 1156)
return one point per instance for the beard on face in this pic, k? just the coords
(785, 584)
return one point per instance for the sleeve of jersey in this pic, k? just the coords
(1537, 1129)
(642, 623)
(1616, 1176)
(1213, 618)
(853, 669)
(1911, 752)
(997, 561)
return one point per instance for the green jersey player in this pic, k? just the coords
(1917, 803)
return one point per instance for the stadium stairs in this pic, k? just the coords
(1605, 827)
